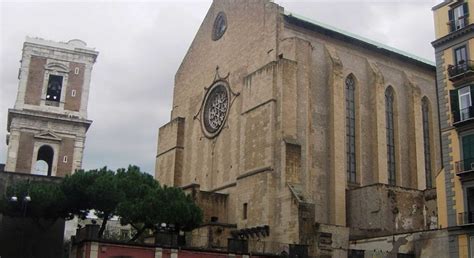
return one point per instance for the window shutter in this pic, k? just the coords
(451, 20)
(472, 94)
(465, 9)
(454, 105)
(471, 108)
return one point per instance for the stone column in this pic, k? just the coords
(337, 172)
(379, 143)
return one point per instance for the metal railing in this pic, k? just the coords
(465, 165)
(464, 66)
(465, 218)
(463, 114)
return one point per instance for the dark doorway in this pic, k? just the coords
(46, 154)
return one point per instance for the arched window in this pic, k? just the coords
(46, 154)
(390, 130)
(55, 84)
(350, 129)
(425, 107)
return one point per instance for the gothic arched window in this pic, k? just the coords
(425, 107)
(390, 131)
(350, 129)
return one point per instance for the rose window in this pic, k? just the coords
(216, 107)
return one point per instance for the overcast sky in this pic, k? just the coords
(141, 45)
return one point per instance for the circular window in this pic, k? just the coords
(220, 25)
(215, 109)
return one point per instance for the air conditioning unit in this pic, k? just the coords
(472, 165)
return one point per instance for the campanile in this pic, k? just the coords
(48, 124)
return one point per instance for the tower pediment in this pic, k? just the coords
(48, 135)
(57, 66)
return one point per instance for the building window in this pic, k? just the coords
(465, 102)
(390, 131)
(73, 93)
(468, 216)
(458, 17)
(471, 245)
(244, 213)
(461, 103)
(65, 159)
(53, 93)
(76, 70)
(460, 55)
(124, 234)
(350, 129)
(426, 141)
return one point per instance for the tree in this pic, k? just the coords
(138, 188)
(136, 197)
(75, 187)
(147, 205)
(35, 199)
(177, 208)
(93, 190)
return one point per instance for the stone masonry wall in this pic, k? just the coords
(34, 86)
(379, 210)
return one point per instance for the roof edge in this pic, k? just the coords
(368, 43)
(445, 2)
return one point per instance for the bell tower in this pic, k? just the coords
(48, 124)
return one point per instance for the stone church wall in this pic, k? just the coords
(282, 149)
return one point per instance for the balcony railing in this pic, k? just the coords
(465, 218)
(463, 115)
(460, 70)
(465, 166)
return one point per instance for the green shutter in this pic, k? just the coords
(472, 95)
(451, 20)
(454, 97)
(468, 151)
(471, 108)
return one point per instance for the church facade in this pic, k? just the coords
(288, 131)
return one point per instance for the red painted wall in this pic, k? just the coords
(108, 250)
(194, 254)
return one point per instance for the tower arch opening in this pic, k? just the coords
(45, 155)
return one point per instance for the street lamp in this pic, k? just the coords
(26, 199)
(24, 205)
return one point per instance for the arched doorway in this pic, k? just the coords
(46, 154)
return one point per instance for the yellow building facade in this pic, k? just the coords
(454, 47)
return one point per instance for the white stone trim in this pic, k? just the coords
(24, 71)
(78, 153)
(85, 91)
(174, 253)
(158, 252)
(12, 152)
(94, 250)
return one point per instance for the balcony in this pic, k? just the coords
(462, 116)
(464, 168)
(465, 218)
(461, 72)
